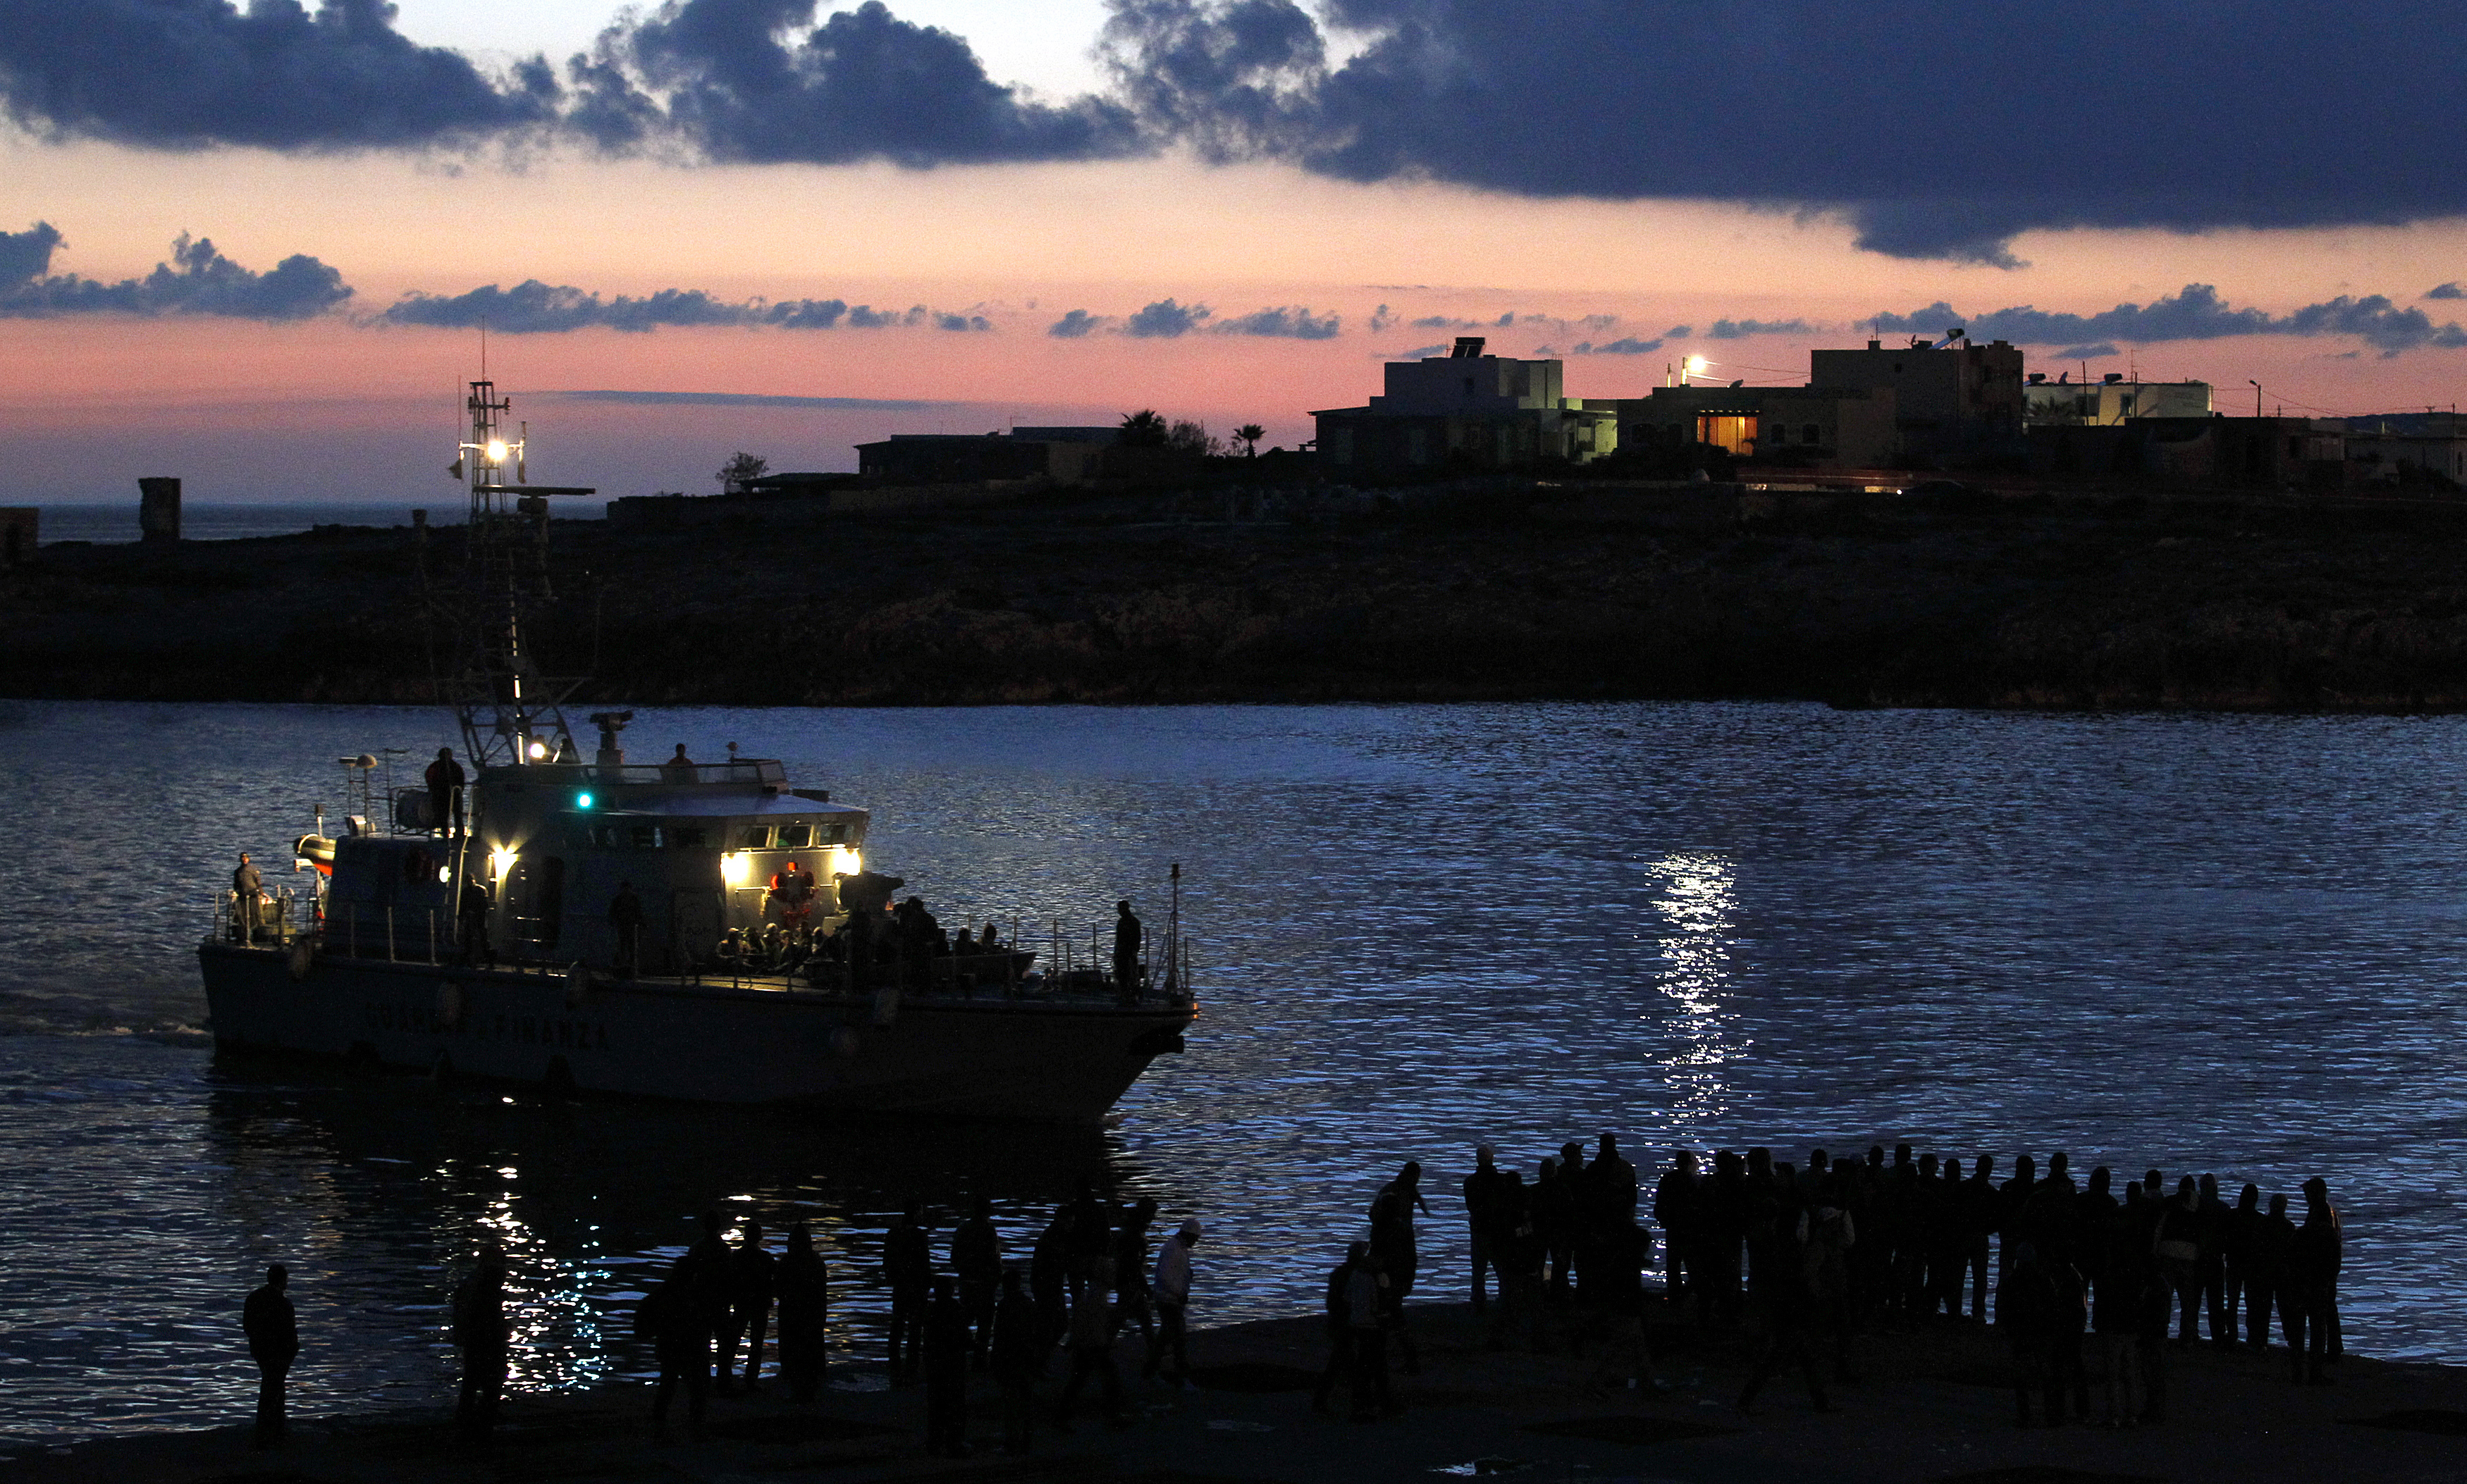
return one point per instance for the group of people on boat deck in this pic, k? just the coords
(871, 945)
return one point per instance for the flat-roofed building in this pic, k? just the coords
(2111, 402)
(1465, 410)
(1950, 396)
(1803, 427)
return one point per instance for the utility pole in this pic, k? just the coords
(2256, 395)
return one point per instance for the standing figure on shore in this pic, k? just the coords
(1132, 1304)
(486, 1340)
(751, 1283)
(444, 778)
(1172, 1288)
(1674, 1210)
(1480, 1189)
(1978, 1202)
(1019, 1349)
(908, 1267)
(976, 1256)
(805, 1315)
(273, 1331)
(1340, 1328)
(2274, 1242)
(2180, 1254)
(1367, 1320)
(1049, 1275)
(1128, 939)
(948, 1347)
(673, 1318)
(1092, 1343)
(1777, 1284)
(2312, 1284)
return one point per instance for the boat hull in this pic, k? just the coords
(759, 1043)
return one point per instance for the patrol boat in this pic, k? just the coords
(484, 946)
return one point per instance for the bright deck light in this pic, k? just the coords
(501, 861)
(537, 751)
(582, 800)
(736, 868)
(496, 450)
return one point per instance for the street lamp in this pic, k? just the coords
(2256, 394)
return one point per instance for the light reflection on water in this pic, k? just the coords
(2204, 943)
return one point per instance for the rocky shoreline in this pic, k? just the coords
(2057, 600)
(1930, 1406)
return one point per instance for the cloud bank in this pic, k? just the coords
(198, 279)
(2195, 313)
(533, 307)
(188, 74)
(1938, 129)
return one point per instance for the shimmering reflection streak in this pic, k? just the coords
(1698, 892)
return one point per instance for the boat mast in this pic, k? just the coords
(510, 712)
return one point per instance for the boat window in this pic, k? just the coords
(646, 837)
(796, 836)
(834, 834)
(755, 838)
(686, 838)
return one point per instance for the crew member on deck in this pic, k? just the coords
(248, 886)
(793, 888)
(444, 778)
(679, 769)
(1128, 938)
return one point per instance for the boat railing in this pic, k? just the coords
(274, 917)
(740, 770)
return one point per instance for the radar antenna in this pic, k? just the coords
(509, 710)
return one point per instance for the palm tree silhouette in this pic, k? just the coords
(1249, 434)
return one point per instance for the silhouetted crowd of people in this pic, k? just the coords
(1843, 1247)
(1796, 1258)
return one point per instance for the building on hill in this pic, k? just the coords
(1067, 456)
(2303, 454)
(1951, 398)
(1802, 427)
(1465, 410)
(2111, 402)
(2404, 447)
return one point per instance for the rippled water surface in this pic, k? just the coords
(2198, 943)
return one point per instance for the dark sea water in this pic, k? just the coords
(203, 521)
(2198, 943)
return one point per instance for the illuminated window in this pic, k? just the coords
(796, 836)
(1732, 433)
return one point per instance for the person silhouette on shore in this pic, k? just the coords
(273, 1331)
(1675, 1198)
(1481, 1190)
(1172, 1288)
(948, 1348)
(908, 1265)
(485, 1339)
(750, 1284)
(976, 1257)
(804, 1291)
(673, 1319)
(1019, 1348)
(2312, 1282)
(1092, 1343)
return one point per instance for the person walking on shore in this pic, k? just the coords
(1397, 1250)
(1674, 1210)
(486, 1340)
(1172, 1289)
(673, 1318)
(273, 1331)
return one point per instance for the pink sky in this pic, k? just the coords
(335, 407)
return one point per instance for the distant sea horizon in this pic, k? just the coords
(116, 521)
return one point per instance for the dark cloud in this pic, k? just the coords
(533, 307)
(1164, 319)
(1630, 345)
(28, 254)
(2097, 352)
(1741, 329)
(198, 279)
(878, 404)
(2196, 313)
(185, 74)
(1078, 324)
(1284, 322)
(1937, 129)
(1381, 319)
(758, 80)
(1418, 352)
(2445, 291)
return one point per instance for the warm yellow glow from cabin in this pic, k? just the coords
(735, 867)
